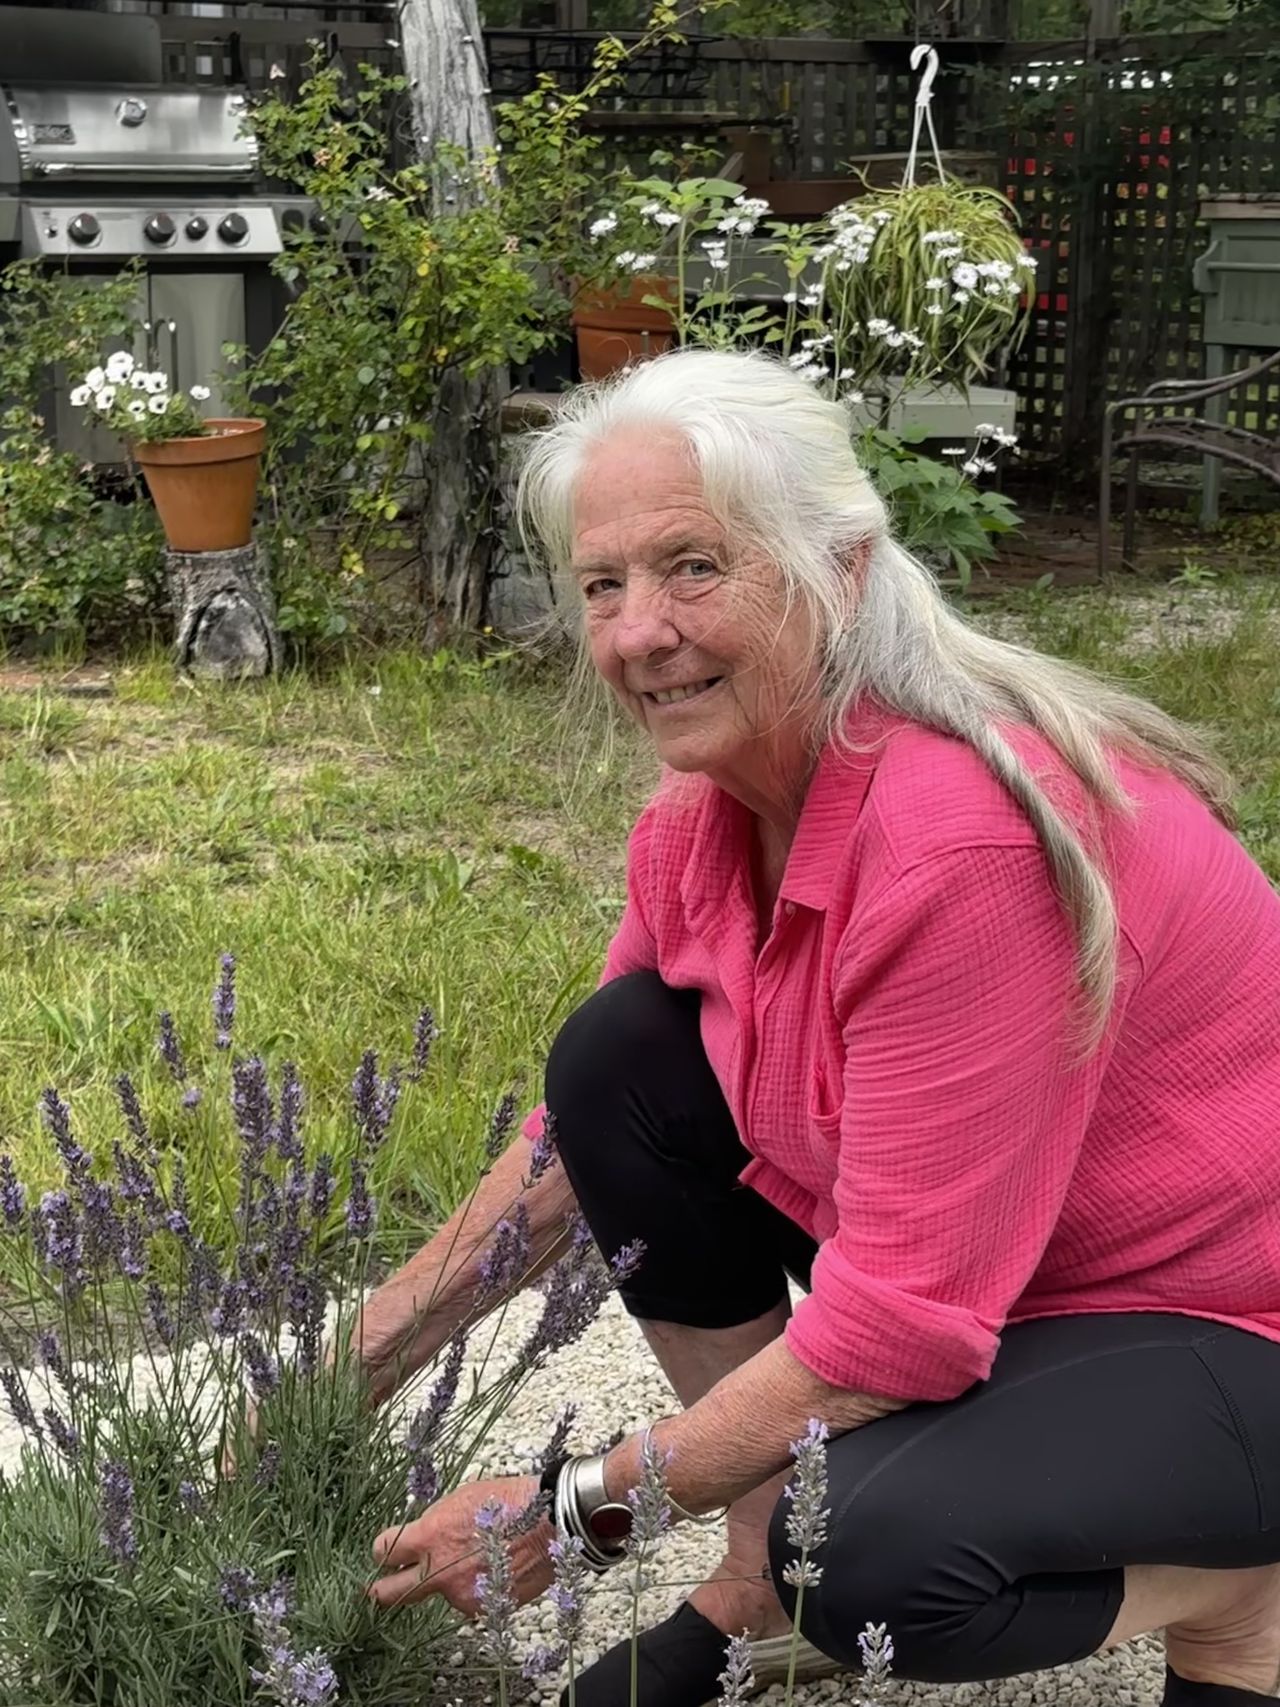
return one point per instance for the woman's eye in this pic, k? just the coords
(602, 584)
(699, 568)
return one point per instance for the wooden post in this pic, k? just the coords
(225, 614)
(1089, 297)
(457, 536)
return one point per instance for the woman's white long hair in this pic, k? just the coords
(780, 474)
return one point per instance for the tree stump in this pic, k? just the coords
(226, 614)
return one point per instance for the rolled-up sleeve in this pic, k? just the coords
(966, 1096)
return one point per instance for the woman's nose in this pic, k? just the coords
(644, 624)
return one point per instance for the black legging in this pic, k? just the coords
(990, 1532)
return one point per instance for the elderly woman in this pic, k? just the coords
(943, 989)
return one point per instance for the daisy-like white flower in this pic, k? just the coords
(853, 397)
(935, 284)
(200, 393)
(96, 378)
(879, 328)
(991, 288)
(650, 208)
(105, 398)
(157, 382)
(1029, 262)
(80, 395)
(137, 407)
(953, 450)
(952, 254)
(934, 308)
(119, 367)
(895, 340)
(603, 226)
(965, 276)
(666, 218)
(718, 263)
(377, 193)
(985, 430)
(791, 296)
(158, 405)
(960, 296)
(140, 379)
(642, 263)
(626, 258)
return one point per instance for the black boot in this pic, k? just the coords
(678, 1664)
(1183, 1692)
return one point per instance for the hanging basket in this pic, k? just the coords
(205, 488)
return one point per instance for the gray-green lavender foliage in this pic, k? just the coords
(157, 1547)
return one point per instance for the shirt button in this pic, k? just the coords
(789, 909)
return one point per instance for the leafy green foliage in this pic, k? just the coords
(69, 560)
(938, 514)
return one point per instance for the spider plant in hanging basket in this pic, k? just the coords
(929, 282)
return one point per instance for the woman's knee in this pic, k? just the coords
(622, 1035)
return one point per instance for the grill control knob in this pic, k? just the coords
(197, 226)
(234, 228)
(84, 228)
(292, 220)
(159, 229)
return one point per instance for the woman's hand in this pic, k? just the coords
(439, 1552)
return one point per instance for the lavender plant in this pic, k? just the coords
(199, 1484)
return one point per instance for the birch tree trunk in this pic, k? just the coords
(458, 539)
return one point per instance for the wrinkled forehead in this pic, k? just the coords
(641, 488)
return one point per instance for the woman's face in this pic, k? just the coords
(696, 641)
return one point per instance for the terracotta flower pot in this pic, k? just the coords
(616, 327)
(204, 489)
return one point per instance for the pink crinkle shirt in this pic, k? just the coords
(899, 1054)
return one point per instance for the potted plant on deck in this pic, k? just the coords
(202, 473)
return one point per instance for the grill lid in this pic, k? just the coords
(79, 135)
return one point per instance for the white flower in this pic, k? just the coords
(799, 359)
(985, 430)
(882, 216)
(791, 296)
(813, 299)
(119, 367)
(1005, 439)
(965, 276)
(200, 393)
(80, 395)
(934, 308)
(1013, 288)
(377, 193)
(853, 397)
(935, 284)
(642, 263)
(991, 288)
(960, 296)
(137, 407)
(376, 690)
(602, 227)
(941, 237)
(717, 263)
(755, 207)
(878, 327)
(626, 258)
(105, 398)
(895, 340)
(650, 208)
(158, 405)
(1029, 262)
(973, 466)
(96, 378)
(713, 245)
(140, 380)
(954, 450)
(157, 382)
(666, 218)
(913, 339)
(844, 266)
(949, 254)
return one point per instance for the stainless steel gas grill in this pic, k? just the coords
(97, 174)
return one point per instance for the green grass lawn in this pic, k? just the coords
(396, 832)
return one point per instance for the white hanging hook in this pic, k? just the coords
(923, 54)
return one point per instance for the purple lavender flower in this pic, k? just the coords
(13, 1195)
(501, 1121)
(876, 1646)
(135, 1183)
(170, 1049)
(288, 1142)
(304, 1302)
(424, 1035)
(134, 1118)
(62, 1434)
(57, 1117)
(649, 1500)
(360, 1204)
(494, 1587)
(227, 1316)
(568, 1591)
(101, 1225)
(425, 1426)
(422, 1483)
(287, 1679)
(559, 1438)
(51, 1356)
(540, 1662)
(737, 1680)
(268, 1465)
(117, 1513)
(63, 1239)
(190, 1499)
(506, 1262)
(251, 1101)
(161, 1320)
(373, 1101)
(322, 1184)
(806, 1524)
(262, 1369)
(192, 1097)
(19, 1404)
(132, 1255)
(236, 1587)
(543, 1154)
(574, 1293)
(224, 1001)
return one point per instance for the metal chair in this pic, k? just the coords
(1190, 431)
